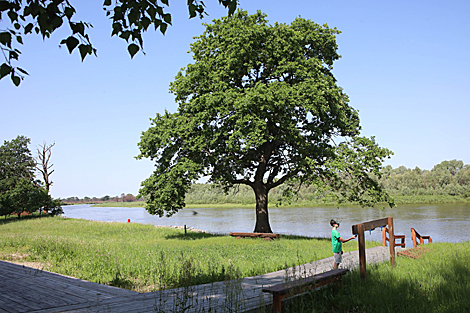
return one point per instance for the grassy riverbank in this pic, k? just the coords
(419, 199)
(145, 258)
(437, 282)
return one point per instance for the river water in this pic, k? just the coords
(443, 222)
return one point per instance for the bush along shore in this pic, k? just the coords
(425, 199)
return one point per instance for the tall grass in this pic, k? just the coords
(145, 258)
(437, 282)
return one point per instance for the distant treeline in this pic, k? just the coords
(448, 181)
(123, 198)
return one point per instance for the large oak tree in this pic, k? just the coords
(260, 106)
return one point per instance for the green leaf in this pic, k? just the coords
(69, 11)
(22, 70)
(167, 18)
(145, 21)
(28, 28)
(133, 16)
(163, 28)
(84, 50)
(133, 49)
(71, 43)
(107, 2)
(125, 35)
(5, 69)
(78, 28)
(19, 39)
(15, 79)
(5, 39)
(117, 28)
(12, 15)
(13, 55)
(56, 22)
(192, 10)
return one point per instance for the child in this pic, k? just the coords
(337, 242)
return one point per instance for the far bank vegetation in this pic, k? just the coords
(448, 181)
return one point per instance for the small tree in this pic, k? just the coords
(19, 190)
(260, 106)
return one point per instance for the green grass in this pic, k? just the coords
(437, 282)
(145, 258)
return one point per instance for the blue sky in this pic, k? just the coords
(405, 66)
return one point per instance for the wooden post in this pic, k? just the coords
(391, 241)
(277, 305)
(384, 236)
(413, 237)
(185, 230)
(362, 251)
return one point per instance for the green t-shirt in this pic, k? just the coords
(337, 244)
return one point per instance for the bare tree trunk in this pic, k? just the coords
(262, 217)
(44, 156)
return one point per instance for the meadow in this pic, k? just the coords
(146, 258)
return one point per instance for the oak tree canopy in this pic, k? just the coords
(260, 106)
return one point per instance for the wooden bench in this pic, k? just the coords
(415, 236)
(401, 238)
(295, 287)
(266, 236)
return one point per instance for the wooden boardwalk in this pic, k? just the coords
(24, 289)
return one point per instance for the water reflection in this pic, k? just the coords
(438, 221)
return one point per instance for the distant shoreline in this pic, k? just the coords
(399, 200)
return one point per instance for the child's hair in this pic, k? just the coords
(332, 222)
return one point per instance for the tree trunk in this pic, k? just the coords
(262, 218)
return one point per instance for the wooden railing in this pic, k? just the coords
(399, 237)
(415, 236)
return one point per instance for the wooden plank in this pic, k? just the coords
(21, 301)
(255, 235)
(46, 278)
(285, 288)
(370, 225)
(9, 305)
(58, 297)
